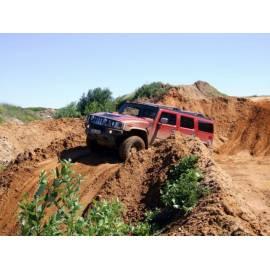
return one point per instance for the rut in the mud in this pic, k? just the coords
(22, 177)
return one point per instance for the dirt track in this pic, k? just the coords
(95, 169)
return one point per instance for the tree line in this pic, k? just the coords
(101, 99)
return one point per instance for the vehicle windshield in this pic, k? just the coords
(139, 110)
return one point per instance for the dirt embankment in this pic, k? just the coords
(223, 212)
(137, 184)
(17, 139)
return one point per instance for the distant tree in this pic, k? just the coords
(96, 100)
(68, 111)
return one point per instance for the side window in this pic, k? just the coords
(187, 122)
(171, 118)
(206, 127)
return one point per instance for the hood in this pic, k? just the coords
(125, 118)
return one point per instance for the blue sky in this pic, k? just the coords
(52, 70)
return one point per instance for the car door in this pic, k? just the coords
(187, 125)
(166, 125)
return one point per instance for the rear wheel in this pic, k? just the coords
(129, 145)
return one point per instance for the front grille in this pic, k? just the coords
(97, 120)
(98, 127)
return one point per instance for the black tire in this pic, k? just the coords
(129, 144)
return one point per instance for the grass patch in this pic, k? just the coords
(8, 111)
(36, 109)
(2, 168)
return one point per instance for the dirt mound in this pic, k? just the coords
(17, 139)
(251, 133)
(28, 159)
(197, 91)
(137, 184)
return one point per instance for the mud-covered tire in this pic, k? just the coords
(129, 144)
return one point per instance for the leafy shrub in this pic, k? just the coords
(61, 198)
(96, 100)
(183, 189)
(119, 101)
(105, 218)
(147, 91)
(68, 111)
(152, 90)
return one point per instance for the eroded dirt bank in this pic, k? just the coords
(16, 139)
(137, 183)
(240, 124)
(223, 212)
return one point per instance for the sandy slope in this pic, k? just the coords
(251, 179)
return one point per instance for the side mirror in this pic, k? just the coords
(164, 120)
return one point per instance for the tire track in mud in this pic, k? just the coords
(95, 169)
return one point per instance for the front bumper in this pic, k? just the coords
(104, 135)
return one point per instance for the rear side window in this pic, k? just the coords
(206, 127)
(187, 122)
(171, 118)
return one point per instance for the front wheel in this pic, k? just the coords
(133, 143)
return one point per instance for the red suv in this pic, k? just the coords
(137, 125)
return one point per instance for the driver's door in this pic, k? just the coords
(166, 125)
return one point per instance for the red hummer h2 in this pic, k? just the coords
(137, 125)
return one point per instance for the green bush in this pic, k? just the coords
(61, 199)
(69, 111)
(183, 189)
(152, 90)
(105, 219)
(96, 100)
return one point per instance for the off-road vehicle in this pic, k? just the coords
(137, 125)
